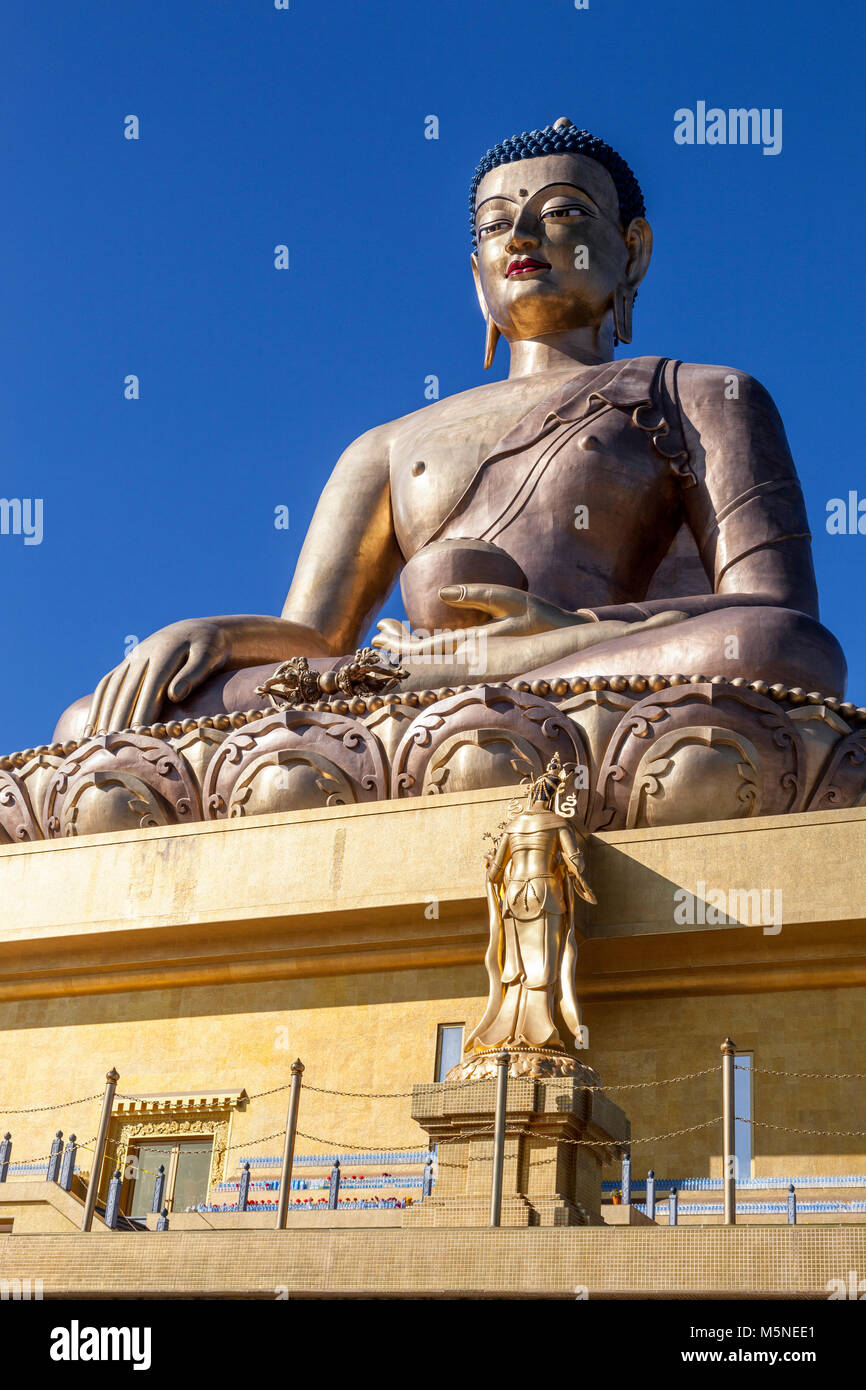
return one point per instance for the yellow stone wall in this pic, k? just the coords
(206, 958)
(377, 1032)
(806, 1031)
(372, 1032)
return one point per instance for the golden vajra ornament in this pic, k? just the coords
(370, 672)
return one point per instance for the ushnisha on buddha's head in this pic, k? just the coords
(561, 241)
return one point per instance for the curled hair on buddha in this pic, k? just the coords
(563, 137)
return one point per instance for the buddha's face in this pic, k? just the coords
(551, 250)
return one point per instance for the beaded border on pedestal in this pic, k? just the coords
(558, 689)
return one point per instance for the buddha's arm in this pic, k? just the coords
(746, 511)
(350, 557)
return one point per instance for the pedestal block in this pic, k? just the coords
(626, 1215)
(548, 1179)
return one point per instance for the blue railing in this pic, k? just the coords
(755, 1208)
(393, 1159)
(322, 1184)
(358, 1204)
(743, 1184)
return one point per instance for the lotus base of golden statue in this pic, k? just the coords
(534, 1063)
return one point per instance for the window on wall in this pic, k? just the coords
(449, 1048)
(743, 1128)
(187, 1167)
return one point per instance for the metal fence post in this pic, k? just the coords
(673, 1207)
(334, 1186)
(792, 1206)
(55, 1158)
(244, 1188)
(112, 1205)
(67, 1168)
(289, 1149)
(158, 1189)
(626, 1180)
(427, 1180)
(651, 1195)
(729, 1142)
(5, 1155)
(162, 1220)
(111, 1079)
(499, 1139)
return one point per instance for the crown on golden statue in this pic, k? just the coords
(548, 788)
(548, 784)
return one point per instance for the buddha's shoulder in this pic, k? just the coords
(488, 410)
(489, 398)
(700, 388)
(704, 385)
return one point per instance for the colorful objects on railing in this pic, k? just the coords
(313, 1204)
(391, 1157)
(781, 1183)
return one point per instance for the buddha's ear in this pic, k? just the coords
(492, 335)
(476, 276)
(639, 244)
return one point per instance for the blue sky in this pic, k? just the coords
(306, 127)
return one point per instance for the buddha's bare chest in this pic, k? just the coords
(437, 455)
(438, 451)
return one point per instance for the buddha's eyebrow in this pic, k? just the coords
(558, 183)
(494, 198)
(504, 197)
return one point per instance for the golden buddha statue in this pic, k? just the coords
(586, 514)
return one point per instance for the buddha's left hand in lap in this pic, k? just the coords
(514, 616)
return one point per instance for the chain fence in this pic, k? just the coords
(436, 1153)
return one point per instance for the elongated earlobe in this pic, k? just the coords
(623, 302)
(490, 341)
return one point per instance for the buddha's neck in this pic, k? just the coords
(555, 351)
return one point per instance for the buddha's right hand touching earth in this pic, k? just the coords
(174, 661)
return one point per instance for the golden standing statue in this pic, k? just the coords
(533, 874)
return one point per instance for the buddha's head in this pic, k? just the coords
(560, 238)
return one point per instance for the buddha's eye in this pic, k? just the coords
(491, 229)
(560, 213)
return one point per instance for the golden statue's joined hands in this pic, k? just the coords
(586, 515)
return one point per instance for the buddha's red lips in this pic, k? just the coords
(524, 265)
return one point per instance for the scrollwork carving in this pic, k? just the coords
(122, 781)
(725, 749)
(295, 760)
(844, 782)
(17, 821)
(491, 735)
